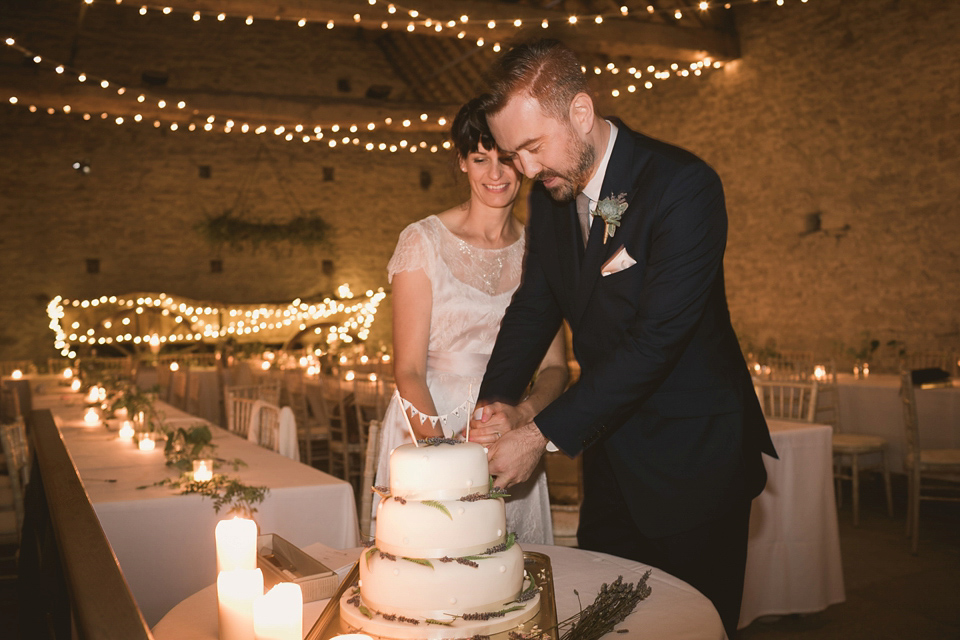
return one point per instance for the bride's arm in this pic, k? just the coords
(412, 306)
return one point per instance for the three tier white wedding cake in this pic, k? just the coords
(443, 565)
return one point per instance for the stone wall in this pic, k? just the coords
(845, 108)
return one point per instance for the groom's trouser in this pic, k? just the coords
(711, 557)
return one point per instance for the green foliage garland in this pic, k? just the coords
(307, 229)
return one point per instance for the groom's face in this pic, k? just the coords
(543, 148)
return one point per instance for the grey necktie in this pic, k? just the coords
(583, 212)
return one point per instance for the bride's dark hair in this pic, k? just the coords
(469, 130)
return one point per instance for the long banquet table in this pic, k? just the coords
(872, 406)
(673, 611)
(164, 541)
(793, 552)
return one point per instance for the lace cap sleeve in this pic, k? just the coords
(414, 251)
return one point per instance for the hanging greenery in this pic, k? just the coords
(308, 229)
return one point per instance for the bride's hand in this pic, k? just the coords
(495, 419)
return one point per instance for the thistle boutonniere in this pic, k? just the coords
(611, 210)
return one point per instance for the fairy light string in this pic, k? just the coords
(173, 113)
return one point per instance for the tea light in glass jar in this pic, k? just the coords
(17, 374)
(68, 373)
(93, 395)
(91, 417)
(819, 372)
(126, 431)
(76, 384)
(145, 442)
(202, 470)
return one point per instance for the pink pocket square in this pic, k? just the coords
(621, 260)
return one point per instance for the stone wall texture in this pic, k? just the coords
(842, 108)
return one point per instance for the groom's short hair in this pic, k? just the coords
(547, 70)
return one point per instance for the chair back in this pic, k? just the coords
(239, 413)
(368, 400)
(370, 462)
(911, 424)
(929, 359)
(178, 388)
(13, 438)
(786, 400)
(7, 367)
(268, 425)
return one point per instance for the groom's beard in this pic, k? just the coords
(574, 181)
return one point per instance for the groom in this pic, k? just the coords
(664, 412)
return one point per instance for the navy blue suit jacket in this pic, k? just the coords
(663, 384)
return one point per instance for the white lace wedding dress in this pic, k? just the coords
(471, 290)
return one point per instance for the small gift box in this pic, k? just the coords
(281, 561)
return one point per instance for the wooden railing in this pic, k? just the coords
(71, 585)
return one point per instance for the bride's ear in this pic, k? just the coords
(462, 163)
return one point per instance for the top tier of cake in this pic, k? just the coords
(424, 473)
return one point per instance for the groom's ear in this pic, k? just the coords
(581, 113)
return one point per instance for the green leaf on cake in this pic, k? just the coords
(475, 558)
(440, 622)
(439, 506)
(420, 561)
(362, 609)
(370, 552)
(511, 540)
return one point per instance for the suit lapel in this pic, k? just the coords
(619, 178)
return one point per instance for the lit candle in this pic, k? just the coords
(236, 544)
(866, 369)
(146, 442)
(278, 614)
(17, 374)
(174, 366)
(819, 372)
(93, 396)
(126, 431)
(202, 470)
(236, 592)
(350, 376)
(68, 373)
(101, 394)
(91, 417)
(76, 384)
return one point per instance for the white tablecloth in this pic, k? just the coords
(165, 541)
(674, 610)
(872, 406)
(793, 553)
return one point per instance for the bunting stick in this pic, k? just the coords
(403, 403)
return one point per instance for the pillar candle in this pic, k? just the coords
(278, 614)
(236, 544)
(236, 592)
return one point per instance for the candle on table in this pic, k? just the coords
(91, 417)
(202, 470)
(17, 374)
(76, 384)
(68, 373)
(236, 544)
(101, 393)
(236, 592)
(146, 442)
(126, 431)
(278, 614)
(93, 396)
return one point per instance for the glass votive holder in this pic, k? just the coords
(145, 441)
(91, 417)
(17, 374)
(76, 384)
(126, 431)
(203, 470)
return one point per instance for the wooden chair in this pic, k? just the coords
(241, 409)
(791, 365)
(268, 391)
(370, 462)
(930, 359)
(347, 442)
(787, 400)
(368, 400)
(193, 395)
(178, 388)
(931, 473)
(313, 426)
(268, 424)
(13, 438)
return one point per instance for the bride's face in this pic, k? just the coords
(493, 180)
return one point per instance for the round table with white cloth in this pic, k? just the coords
(674, 609)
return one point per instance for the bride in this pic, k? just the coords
(453, 275)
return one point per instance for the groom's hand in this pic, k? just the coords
(514, 456)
